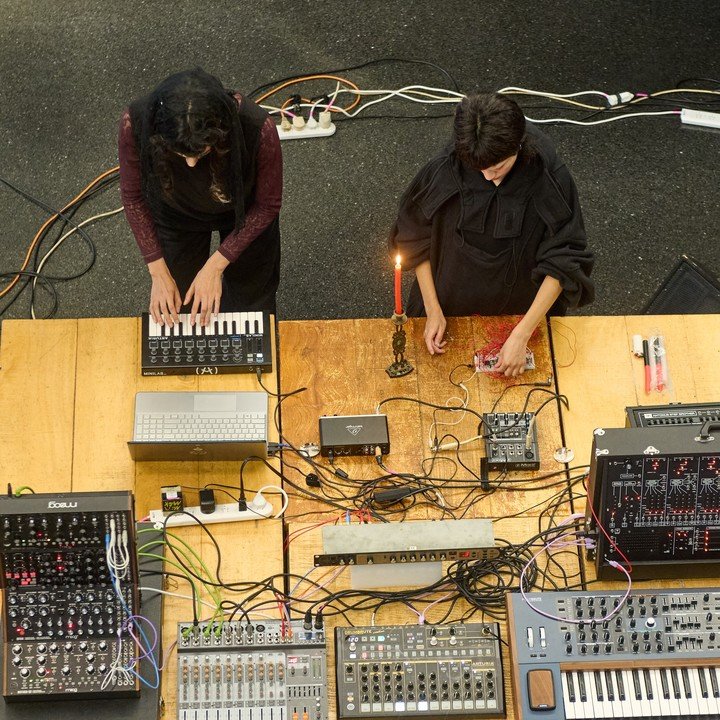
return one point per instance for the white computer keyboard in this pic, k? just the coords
(200, 427)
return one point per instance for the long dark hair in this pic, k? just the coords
(187, 113)
(489, 128)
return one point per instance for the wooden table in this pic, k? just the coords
(67, 393)
(597, 370)
(67, 390)
(342, 363)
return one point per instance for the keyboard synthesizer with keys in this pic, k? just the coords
(232, 342)
(595, 655)
(419, 671)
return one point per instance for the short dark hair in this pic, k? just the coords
(488, 129)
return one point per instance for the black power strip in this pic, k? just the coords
(511, 441)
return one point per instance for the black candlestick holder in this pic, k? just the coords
(400, 366)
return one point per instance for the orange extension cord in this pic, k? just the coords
(51, 220)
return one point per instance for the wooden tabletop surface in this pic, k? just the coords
(67, 398)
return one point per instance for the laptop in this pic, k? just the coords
(199, 426)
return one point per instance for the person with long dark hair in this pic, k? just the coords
(197, 158)
(492, 226)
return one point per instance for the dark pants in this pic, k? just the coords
(249, 283)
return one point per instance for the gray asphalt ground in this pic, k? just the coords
(649, 187)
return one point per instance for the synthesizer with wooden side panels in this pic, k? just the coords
(232, 342)
(593, 655)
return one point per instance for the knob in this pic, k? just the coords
(90, 669)
(83, 646)
(66, 670)
(41, 660)
(53, 648)
(24, 672)
(41, 672)
(17, 649)
(90, 657)
(102, 669)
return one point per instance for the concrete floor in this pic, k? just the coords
(648, 186)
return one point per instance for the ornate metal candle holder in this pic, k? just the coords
(400, 366)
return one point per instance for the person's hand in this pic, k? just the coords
(164, 295)
(435, 331)
(205, 293)
(511, 358)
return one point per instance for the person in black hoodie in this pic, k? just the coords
(492, 226)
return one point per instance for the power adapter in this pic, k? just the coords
(171, 499)
(207, 501)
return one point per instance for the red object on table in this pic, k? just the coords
(398, 287)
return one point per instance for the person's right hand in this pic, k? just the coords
(165, 300)
(435, 331)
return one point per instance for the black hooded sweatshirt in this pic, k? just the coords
(490, 247)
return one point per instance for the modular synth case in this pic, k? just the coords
(655, 491)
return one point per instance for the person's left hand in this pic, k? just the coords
(205, 293)
(511, 358)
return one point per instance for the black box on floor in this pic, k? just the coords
(353, 435)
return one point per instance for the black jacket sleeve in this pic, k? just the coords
(412, 234)
(563, 252)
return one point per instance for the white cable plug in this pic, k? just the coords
(620, 98)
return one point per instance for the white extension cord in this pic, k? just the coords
(258, 509)
(300, 129)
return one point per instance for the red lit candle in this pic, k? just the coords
(398, 286)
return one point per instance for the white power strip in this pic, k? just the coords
(258, 509)
(293, 133)
(700, 117)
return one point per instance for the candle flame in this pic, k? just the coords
(397, 259)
